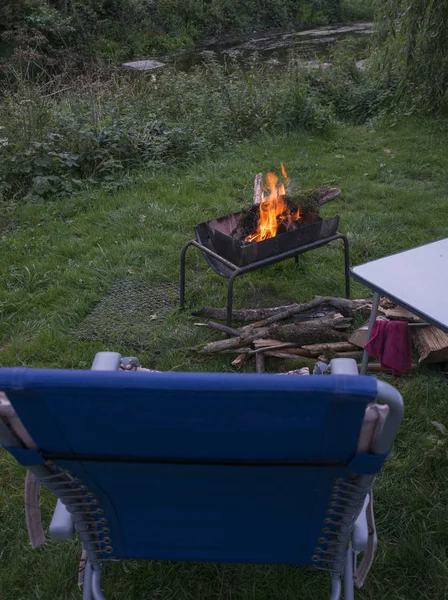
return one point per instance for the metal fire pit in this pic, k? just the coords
(231, 258)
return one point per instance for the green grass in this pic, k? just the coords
(59, 259)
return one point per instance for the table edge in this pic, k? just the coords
(412, 309)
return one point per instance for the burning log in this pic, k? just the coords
(276, 209)
(258, 189)
(343, 305)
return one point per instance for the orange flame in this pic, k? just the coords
(274, 210)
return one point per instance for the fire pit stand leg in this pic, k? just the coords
(230, 297)
(346, 265)
(182, 272)
(237, 271)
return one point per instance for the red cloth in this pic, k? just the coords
(391, 343)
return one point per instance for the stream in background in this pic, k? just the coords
(313, 45)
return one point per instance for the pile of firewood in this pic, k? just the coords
(320, 329)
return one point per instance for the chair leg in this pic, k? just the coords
(335, 587)
(349, 590)
(87, 585)
(96, 584)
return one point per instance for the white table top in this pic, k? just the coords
(416, 279)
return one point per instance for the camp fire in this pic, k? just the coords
(275, 213)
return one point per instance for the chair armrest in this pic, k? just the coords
(106, 361)
(360, 533)
(343, 366)
(61, 526)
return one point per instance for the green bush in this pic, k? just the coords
(99, 131)
(351, 90)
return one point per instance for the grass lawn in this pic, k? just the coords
(59, 259)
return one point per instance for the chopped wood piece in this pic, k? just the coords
(245, 339)
(359, 337)
(302, 371)
(282, 354)
(398, 313)
(343, 305)
(293, 309)
(265, 343)
(386, 303)
(317, 349)
(340, 322)
(258, 188)
(259, 362)
(310, 332)
(431, 344)
(357, 355)
(327, 193)
(377, 368)
(287, 347)
(240, 360)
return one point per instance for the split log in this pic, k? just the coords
(292, 310)
(302, 371)
(431, 344)
(317, 349)
(240, 360)
(377, 368)
(359, 337)
(282, 354)
(398, 313)
(357, 355)
(286, 348)
(258, 188)
(343, 305)
(309, 315)
(269, 343)
(310, 332)
(327, 193)
(245, 339)
(243, 314)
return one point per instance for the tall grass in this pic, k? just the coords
(59, 136)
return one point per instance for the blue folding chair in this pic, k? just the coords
(203, 466)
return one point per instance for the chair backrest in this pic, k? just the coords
(197, 466)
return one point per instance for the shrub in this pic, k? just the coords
(54, 143)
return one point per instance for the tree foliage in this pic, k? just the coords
(412, 52)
